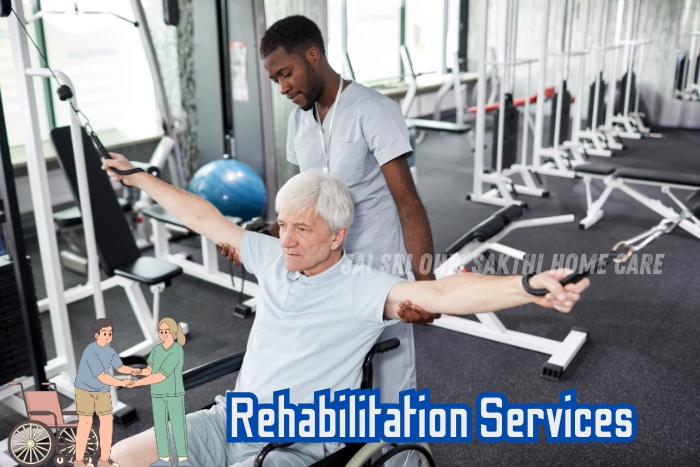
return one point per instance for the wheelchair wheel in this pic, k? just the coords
(66, 444)
(409, 455)
(31, 443)
(390, 455)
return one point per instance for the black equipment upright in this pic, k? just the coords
(510, 135)
(565, 117)
(21, 340)
(600, 114)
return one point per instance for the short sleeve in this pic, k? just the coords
(171, 361)
(291, 148)
(152, 357)
(116, 362)
(370, 291)
(385, 130)
(259, 251)
(95, 365)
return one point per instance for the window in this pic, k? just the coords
(374, 33)
(375, 30)
(104, 58)
(424, 34)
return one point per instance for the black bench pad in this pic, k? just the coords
(213, 370)
(658, 176)
(148, 270)
(435, 125)
(487, 228)
(595, 169)
(70, 217)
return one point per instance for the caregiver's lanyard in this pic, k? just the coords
(326, 151)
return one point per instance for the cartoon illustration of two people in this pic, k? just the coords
(163, 374)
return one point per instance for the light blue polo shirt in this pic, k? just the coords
(94, 361)
(368, 131)
(310, 333)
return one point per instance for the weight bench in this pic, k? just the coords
(486, 236)
(209, 269)
(622, 179)
(69, 224)
(421, 123)
(120, 257)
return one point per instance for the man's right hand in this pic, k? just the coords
(119, 162)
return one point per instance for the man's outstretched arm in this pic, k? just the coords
(196, 213)
(465, 294)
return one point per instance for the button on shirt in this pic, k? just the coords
(310, 333)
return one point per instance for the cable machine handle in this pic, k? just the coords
(570, 279)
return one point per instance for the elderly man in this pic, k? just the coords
(317, 313)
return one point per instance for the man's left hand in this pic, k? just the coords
(561, 298)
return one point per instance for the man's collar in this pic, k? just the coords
(322, 276)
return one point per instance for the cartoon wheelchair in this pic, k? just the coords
(46, 435)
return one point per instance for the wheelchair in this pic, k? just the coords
(46, 434)
(353, 454)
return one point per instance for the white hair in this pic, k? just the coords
(326, 195)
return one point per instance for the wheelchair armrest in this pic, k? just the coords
(380, 347)
(69, 412)
(44, 412)
(212, 371)
(384, 346)
(266, 450)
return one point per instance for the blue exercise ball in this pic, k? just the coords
(233, 187)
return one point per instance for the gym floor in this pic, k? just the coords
(642, 328)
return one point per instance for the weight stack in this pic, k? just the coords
(620, 93)
(510, 135)
(14, 347)
(680, 72)
(600, 120)
(565, 125)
